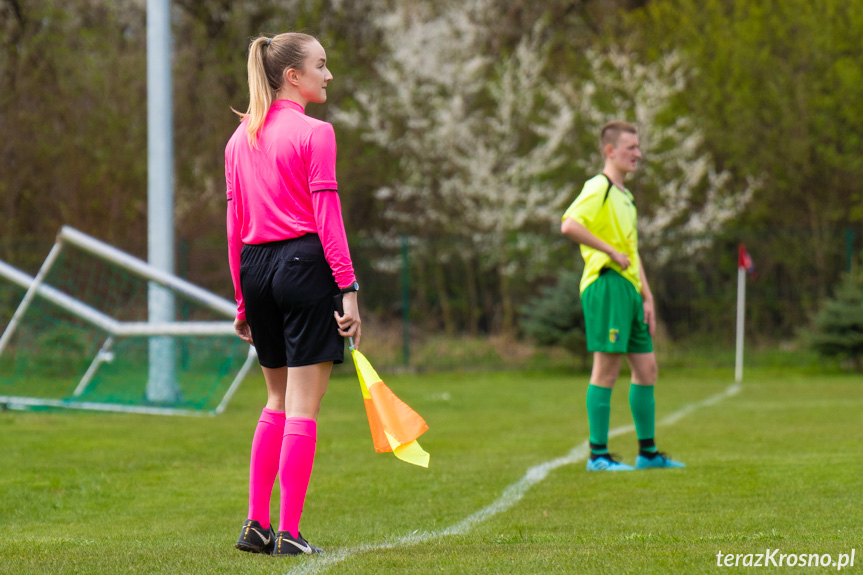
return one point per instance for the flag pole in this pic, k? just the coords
(741, 306)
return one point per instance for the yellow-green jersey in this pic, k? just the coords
(608, 213)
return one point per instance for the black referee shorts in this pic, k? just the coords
(288, 289)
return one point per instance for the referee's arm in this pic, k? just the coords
(581, 235)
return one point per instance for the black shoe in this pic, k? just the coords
(256, 539)
(286, 545)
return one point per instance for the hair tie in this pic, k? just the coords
(269, 40)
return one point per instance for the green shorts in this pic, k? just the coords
(614, 316)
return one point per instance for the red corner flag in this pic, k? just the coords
(744, 261)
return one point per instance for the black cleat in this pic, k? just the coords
(256, 539)
(286, 545)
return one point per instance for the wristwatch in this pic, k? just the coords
(351, 288)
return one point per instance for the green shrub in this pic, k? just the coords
(837, 330)
(554, 318)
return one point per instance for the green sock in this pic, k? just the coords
(598, 412)
(643, 408)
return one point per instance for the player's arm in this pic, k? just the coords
(580, 234)
(647, 298)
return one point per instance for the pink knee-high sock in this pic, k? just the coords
(295, 470)
(264, 464)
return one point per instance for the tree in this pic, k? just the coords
(554, 318)
(475, 136)
(778, 90)
(72, 123)
(684, 198)
(837, 330)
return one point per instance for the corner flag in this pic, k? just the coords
(744, 261)
(745, 267)
(394, 425)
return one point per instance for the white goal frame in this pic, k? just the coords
(35, 286)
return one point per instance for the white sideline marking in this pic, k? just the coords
(510, 496)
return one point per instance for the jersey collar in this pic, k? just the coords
(289, 104)
(611, 184)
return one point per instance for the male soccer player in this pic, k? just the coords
(618, 308)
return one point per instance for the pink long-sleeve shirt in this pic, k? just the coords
(284, 189)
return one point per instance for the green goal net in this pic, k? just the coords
(77, 335)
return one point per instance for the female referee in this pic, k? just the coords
(289, 259)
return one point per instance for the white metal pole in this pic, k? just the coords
(103, 355)
(247, 366)
(30, 294)
(162, 385)
(92, 316)
(741, 307)
(144, 270)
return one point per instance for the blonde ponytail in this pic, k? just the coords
(268, 60)
(261, 95)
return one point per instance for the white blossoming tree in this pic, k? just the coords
(474, 137)
(690, 199)
(481, 135)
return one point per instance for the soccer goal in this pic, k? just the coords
(77, 335)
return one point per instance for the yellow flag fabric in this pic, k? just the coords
(394, 425)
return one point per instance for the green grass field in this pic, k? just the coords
(777, 465)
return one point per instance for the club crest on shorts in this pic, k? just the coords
(612, 335)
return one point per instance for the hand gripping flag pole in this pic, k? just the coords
(394, 425)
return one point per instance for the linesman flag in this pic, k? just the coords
(394, 425)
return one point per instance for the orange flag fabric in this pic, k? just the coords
(394, 425)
